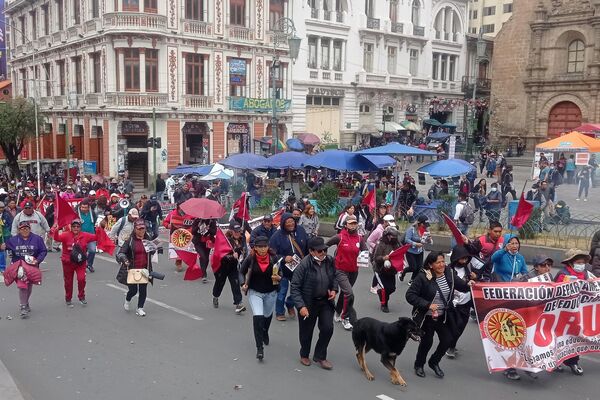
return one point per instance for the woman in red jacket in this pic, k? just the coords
(69, 263)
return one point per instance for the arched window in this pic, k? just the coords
(416, 13)
(576, 59)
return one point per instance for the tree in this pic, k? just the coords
(17, 126)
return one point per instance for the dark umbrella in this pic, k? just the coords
(203, 208)
(309, 139)
(432, 122)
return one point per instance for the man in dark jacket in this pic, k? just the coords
(290, 243)
(265, 229)
(152, 212)
(160, 187)
(314, 288)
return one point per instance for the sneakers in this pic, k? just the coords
(373, 290)
(451, 353)
(126, 305)
(577, 199)
(24, 313)
(140, 312)
(260, 353)
(576, 369)
(240, 308)
(384, 308)
(69, 304)
(346, 324)
(291, 312)
(585, 199)
(215, 302)
(204, 280)
(337, 318)
(281, 318)
(91, 269)
(512, 374)
(83, 302)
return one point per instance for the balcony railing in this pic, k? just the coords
(124, 99)
(339, 17)
(60, 101)
(240, 33)
(418, 30)
(327, 15)
(127, 20)
(339, 76)
(483, 85)
(326, 75)
(73, 32)
(94, 99)
(92, 25)
(198, 101)
(373, 23)
(397, 27)
(314, 13)
(314, 75)
(200, 28)
(60, 36)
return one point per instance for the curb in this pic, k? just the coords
(8, 387)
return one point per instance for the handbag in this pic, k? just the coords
(135, 276)
(122, 274)
(77, 255)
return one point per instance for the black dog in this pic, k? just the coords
(386, 339)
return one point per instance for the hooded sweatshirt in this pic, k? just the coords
(506, 265)
(282, 244)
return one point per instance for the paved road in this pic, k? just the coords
(185, 349)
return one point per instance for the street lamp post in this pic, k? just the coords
(284, 29)
(481, 48)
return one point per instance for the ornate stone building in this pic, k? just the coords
(546, 69)
(99, 68)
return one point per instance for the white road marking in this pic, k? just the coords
(163, 305)
(384, 397)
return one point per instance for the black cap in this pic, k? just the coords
(76, 221)
(316, 243)
(234, 226)
(422, 219)
(28, 204)
(261, 241)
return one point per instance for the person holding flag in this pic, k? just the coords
(417, 235)
(236, 250)
(240, 212)
(385, 273)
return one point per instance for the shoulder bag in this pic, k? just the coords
(136, 276)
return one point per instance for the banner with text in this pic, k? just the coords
(536, 326)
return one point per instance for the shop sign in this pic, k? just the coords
(89, 167)
(258, 105)
(237, 72)
(327, 92)
(197, 128)
(582, 158)
(242, 129)
(134, 128)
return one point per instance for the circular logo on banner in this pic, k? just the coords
(181, 238)
(506, 328)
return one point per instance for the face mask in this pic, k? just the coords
(493, 189)
(317, 259)
(579, 267)
(513, 252)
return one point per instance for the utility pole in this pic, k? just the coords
(68, 148)
(153, 185)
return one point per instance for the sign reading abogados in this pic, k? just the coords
(258, 105)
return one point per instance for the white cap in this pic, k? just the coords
(2, 191)
(134, 213)
(390, 220)
(92, 192)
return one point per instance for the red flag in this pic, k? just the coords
(277, 216)
(240, 208)
(370, 200)
(64, 213)
(458, 236)
(222, 248)
(193, 271)
(524, 210)
(397, 257)
(104, 243)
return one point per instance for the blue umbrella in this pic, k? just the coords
(447, 168)
(396, 149)
(245, 161)
(439, 135)
(341, 160)
(287, 160)
(294, 144)
(448, 125)
(381, 161)
(192, 169)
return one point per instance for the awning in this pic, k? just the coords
(389, 127)
(572, 142)
(369, 130)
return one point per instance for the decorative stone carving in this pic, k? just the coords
(260, 73)
(218, 65)
(260, 20)
(219, 18)
(570, 7)
(172, 60)
(172, 14)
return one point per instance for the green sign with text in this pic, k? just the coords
(258, 105)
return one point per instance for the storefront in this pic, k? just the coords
(238, 138)
(133, 151)
(323, 112)
(196, 140)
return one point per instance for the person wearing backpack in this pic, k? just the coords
(464, 215)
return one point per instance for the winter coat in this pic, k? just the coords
(258, 280)
(281, 243)
(261, 231)
(305, 280)
(382, 249)
(126, 253)
(506, 265)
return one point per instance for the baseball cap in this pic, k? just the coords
(28, 204)
(139, 223)
(317, 243)
(92, 192)
(2, 205)
(261, 241)
(24, 224)
(351, 218)
(423, 220)
(234, 226)
(541, 259)
(134, 213)
(268, 217)
(76, 221)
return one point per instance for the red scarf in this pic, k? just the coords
(263, 261)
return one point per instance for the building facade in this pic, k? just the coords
(546, 69)
(110, 74)
(488, 16)
(367, 65)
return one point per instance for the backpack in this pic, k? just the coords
(77, 254)
(467, 215)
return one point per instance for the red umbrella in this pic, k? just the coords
(203, 208)
(309, 138)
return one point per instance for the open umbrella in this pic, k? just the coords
(447, 168)
(245, 161)
(218, 172)
(439, 135)
(396, 149)
(309, 139)
(203, 208)
(410, 126)
(432, 122)
(287, 160)
(448, 125)
(341, 160)
(192, 169)
(294, 144)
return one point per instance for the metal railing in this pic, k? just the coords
(418, 30)
(373, 23)
(397, 27)
(482, 84)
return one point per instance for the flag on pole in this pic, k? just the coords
(104, 243)
(190, 259)
(524, 210)
(64, 213)
(240, 208)
(222, 248)
(370, 200)
(458, 236)
(277, 216)
(397, 257)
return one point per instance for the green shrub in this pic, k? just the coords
(532, 227)
(327, 199)
(270, 199)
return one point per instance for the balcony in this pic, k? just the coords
(197, 28)
(92, 26)
(240, 33)
(397, 27)
(44, 102)
(125, 99)
(60, 36)
(74, 32)
(280, 37)
(198, 101)
(483, 85)
(373, 23)
(326, 75)
(60, 101)
(135, 21)
(314, 75)
(94, 99)
(314, 13)
(418, 31)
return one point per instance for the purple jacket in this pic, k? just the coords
(32, 246)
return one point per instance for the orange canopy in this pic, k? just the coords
(571, 142)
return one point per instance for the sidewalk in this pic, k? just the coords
(8, 387)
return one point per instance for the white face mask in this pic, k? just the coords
(317, 259)
(579, 267)
(493, 189)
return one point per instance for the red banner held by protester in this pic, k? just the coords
(63, 212)
(397, 257)
(222, 248)
(370, 200)
(193, 271)
(104, 243)
(458, 236)
(524, 210)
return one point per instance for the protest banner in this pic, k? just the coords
(535, 326)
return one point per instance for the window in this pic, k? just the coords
(48, 79)
(508, 8)
(388, 113)
(150, 6)
(194, 9)
(96, 72)
(337, 55)
(95, 8)
(46, 16)
(451, 67)
(392, 60)
(34, 24)
(474, 14)
(443, 66)
(23, 28)
(60, 11)
(393, 11)
(151, 70)
(489, 28)
(489, 11)
(364, 109)
(325, 53)
(414, 62)
(312, 52)
(132, 69)
(78, 75)
(275, 12)
(24, 82)
(131, 5)
(576, 58)
(194, 74)
(76, 12)
(370, 8)
(415, 17)
(368, 57)
(435, 64)
(62, 81)
(237, 12)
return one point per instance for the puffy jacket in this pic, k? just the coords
(126, 252)
(261, 231)
(305, 280)
(506, 265)
(281, 243)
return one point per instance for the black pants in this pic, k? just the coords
(415, 263)
(463, 312)
(571, 361)
(345, 302)
(389, 286)
(228, 272)
(321, 310)
(133, 290)
(430, 327)
(203, 254)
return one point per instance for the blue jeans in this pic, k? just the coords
(2, 260)
(281, 297)
(262, 303)
(91, 254)
(159, 195)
